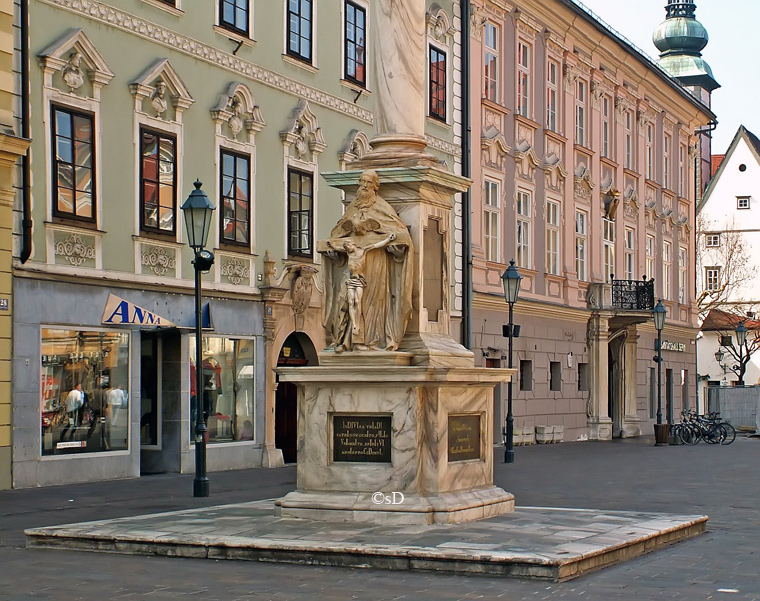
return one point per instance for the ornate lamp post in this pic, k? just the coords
(197, 210)
(661, 430)
(741, 339)
(719, 355)
(511, 281)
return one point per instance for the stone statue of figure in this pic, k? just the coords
(158, 98)
(72, 73)
(368, 273)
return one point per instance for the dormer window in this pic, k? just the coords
(742, 202)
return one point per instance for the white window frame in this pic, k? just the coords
(492, 219)
(581, 245)
(552, 95)
(712, 240)
(552, 237)
(491, 30)
(667, 149)
(523, 231)
(608, 248)
(606, 127)
(682, 170)
(712, 279)
(524, 96)
(650, 151)
(629, 149)
(683, 277)
(581, 97)
(630, 253)
(667, 269)
(742, 202)
(650, 255)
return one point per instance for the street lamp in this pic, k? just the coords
(741, 338)
(197, 210)
(659, 313)
(511, 281)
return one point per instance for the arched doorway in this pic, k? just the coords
(296, 351)
(616, 381)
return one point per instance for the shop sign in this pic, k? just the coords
(678, 347)
(120, 312)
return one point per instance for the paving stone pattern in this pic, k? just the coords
(630, 475)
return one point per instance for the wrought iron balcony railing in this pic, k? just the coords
(632, 295)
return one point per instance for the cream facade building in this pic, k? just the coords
(586, 178)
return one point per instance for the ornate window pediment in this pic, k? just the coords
(439, 24)
(494, 147)
(158, 85)
(525, 159)
(556, 173)
(304, 133)
(583, 182)
(236, 109)
(355, 147)
(75, 57)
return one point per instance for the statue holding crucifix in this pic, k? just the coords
(367, 274)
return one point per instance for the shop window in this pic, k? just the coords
(526, 375)
(85, 391)
(555, 376)
(228, 387)
(583, 377)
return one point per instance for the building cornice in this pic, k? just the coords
(118, 19)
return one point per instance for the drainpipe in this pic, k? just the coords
(466, 172)
(26, 174)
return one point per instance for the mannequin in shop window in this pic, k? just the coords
(73, 404)
(212, 385)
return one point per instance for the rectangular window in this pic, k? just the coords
(712, 240)
(233, 15)
(606, 127)
(236, 204)
(491, 62)
(85, 391)
(652, 393)
(608, 248)
(158, 182)
(299, 29)
(742, 202)
(491, 211)
(523, 228)
(555, 376)
(580, 112)
(583, 377)
(667, 262)
(354, 39)
(523, 80)
(228, 388)
(629, 139)
(650, 152)
(683, 258)
(552, 237)
(650, 250)
(630, 257)
(712, 279)
(581, 231)
(667, 143)
(437, 84)
(73, 165)
(526, 375)
(552, 95)
(682, 170)
(300, 211)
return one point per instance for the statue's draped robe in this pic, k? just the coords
(387, 297)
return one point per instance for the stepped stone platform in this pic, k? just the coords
(532, 542)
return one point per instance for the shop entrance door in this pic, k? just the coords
(292, 354)
(150, 395)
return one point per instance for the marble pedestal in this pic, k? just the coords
(438, 476)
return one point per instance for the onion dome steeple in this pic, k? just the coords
(680, 40)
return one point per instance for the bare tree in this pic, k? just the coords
(724, 266)
(741, 354)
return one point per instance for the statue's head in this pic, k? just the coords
(349, 246)
(369, 181)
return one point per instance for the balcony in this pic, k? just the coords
(630, 301)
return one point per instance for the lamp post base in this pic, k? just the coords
(509, 456)
(200, 487)
(661, 434)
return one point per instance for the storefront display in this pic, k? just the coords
(228, 387)
(84, 396)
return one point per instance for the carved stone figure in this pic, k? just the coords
(72, 73)
(158, 99)
(368, 273)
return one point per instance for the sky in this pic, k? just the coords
(733, 52)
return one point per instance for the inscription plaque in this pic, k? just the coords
(464, 437)
(363, 438)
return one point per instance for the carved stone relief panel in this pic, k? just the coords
(583, 181)
(158, 260)
(556, 172)
(235, 270)
(73, 249)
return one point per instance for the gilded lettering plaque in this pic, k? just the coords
(362, 438)
(464, 437)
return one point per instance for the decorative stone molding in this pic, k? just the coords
(235, 269)
(124, 21)
(301, 288)
(478, 20)
(304, 134)
(75, 250)
(354, 147)
(583, 182)
(74, 55)
(439, 24)
(237, 109)
(643, 117)
(158, 80)
(597, 91)
(622, 106)
(494, 147)
(556, 174)
(158, 259)
(571, 74)
(526, 160)
(606, 185)
(631, 204)
(454, 150)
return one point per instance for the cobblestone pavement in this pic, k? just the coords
(721, 482)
